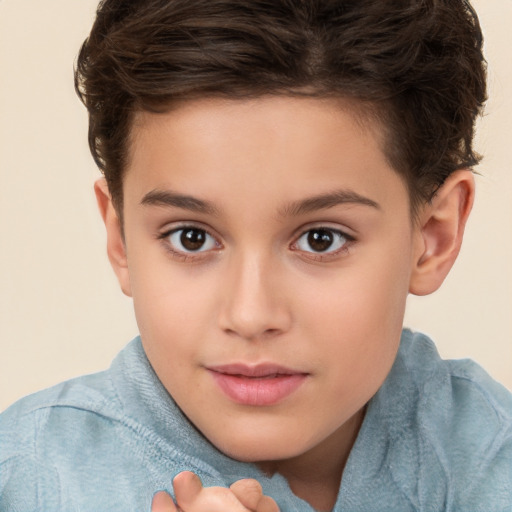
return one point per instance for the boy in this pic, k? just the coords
(278, 177)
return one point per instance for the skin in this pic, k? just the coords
(243, 496)
(266, 174)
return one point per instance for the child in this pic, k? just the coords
(278, 177)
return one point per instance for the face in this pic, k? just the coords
(269, 248)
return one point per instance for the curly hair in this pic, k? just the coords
(415, 65)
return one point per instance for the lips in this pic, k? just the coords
(260, 385)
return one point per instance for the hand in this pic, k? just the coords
(243, 496)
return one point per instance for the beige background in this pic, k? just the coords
(61, 313)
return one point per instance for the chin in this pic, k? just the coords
(258, 453)
(261, 448)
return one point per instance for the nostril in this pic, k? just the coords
(253, 335)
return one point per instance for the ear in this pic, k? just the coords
(439, 232)
(116, 248)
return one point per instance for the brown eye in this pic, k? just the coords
(191, 240)
(322, 240)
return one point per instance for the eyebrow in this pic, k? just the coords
(325, 201)
(295, 208)
(185, 202)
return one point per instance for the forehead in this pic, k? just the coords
(287, 144)
(267, 112)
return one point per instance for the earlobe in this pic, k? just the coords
(116, 248)
(440, 231)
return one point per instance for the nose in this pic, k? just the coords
(254, 304)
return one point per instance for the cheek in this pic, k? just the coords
(172, 307)
(359, 321)
(172, 324)
(368, 296)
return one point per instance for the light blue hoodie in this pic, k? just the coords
(437, 437)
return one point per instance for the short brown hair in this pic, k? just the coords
(417, 65)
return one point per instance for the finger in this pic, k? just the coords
(187, 487)
(162, 502)
(248, 491)
(267, 504)
(250, 494)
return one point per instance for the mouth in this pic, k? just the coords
(260, 385)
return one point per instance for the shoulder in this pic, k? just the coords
(88, 393)
(39, 429)
(476, 437)
(79, 412)
(463, 426)
(453, 391)
(46, 414)
(78, 445)
(106, 441)
(98, 394)
(93, 393)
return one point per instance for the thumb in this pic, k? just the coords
(187, 487)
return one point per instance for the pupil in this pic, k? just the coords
(320, 240)
(193, 239)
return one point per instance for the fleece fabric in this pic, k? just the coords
(437, 436)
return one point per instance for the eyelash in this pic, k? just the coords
(319, 256)
(184, 255)
(327, 255)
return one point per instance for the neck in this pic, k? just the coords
(315, 476)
